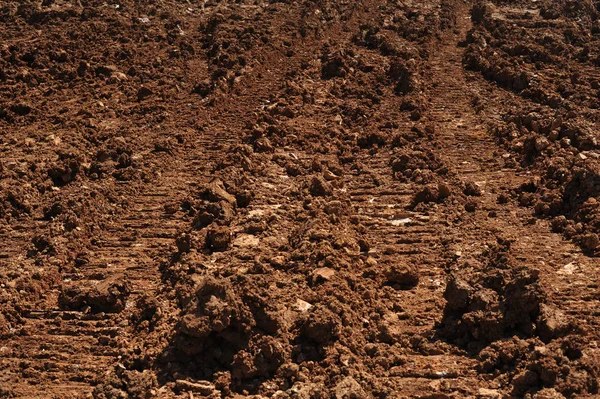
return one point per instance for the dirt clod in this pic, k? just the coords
(218, 238)
(106, 296)
(319, 187)
(403, 275)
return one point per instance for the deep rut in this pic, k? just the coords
(568, 274)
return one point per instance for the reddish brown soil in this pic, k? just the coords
(313, 199)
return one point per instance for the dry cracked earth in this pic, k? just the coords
(299, 199)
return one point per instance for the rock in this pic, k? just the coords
(201, 387)
(371, 262)
(329, 175)
(119, 76)
(319, 187)
(349, 388)
(218, 238)
(143, 93)
(541, 143)
(321, 275)
(404, 275)
(302, 306)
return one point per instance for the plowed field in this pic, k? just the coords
(299, 199)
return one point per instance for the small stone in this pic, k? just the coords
(321, 275)
(329, 175)
(471, 206)
(541, 143)
(120, 76)
(371, 261)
